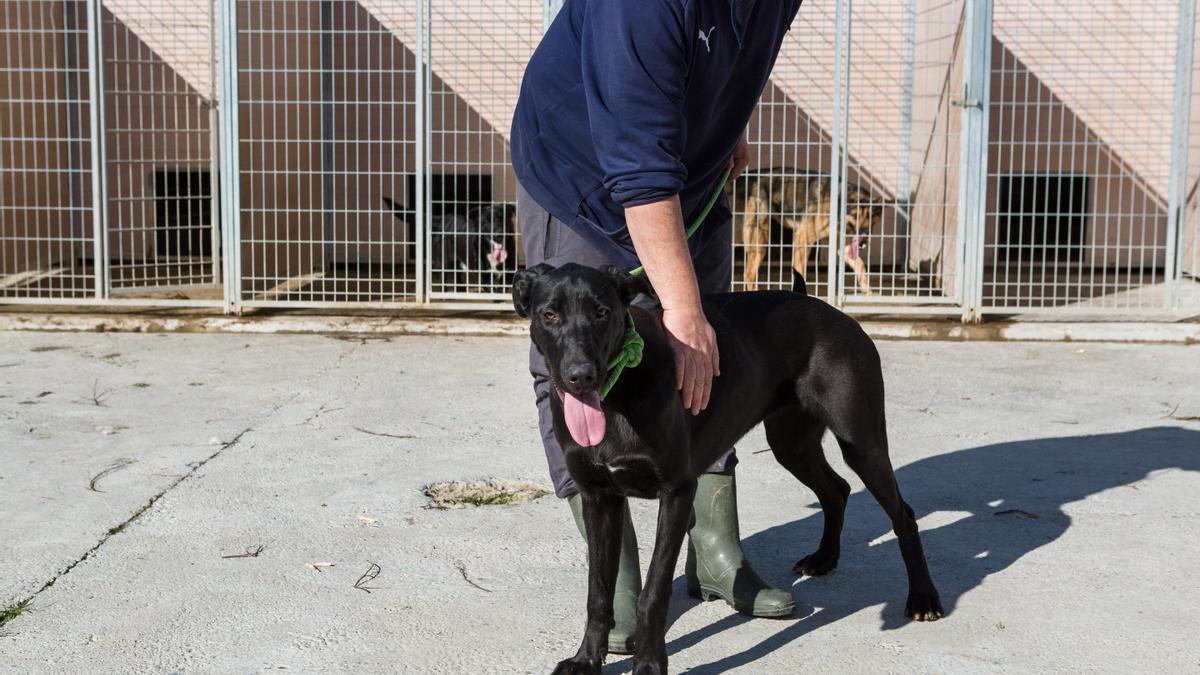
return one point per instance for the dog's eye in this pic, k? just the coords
(549, 316)
(601, 312)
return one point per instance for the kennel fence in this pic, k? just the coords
(968, 156)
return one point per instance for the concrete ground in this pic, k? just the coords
(1055, 484)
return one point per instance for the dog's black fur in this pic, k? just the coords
(788, 360)
(461, 245)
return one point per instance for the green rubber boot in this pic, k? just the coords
(629, 581)
(716, 566)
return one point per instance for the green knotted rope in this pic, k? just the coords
(630, 354)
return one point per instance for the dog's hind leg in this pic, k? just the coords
(755, 229)
(795, 439)
(866, 453)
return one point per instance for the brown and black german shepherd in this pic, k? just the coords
(801, 202)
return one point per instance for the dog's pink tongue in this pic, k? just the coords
(854, 248)
(585, 419)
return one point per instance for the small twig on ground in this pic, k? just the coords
(380, 433)
(759, 452)
(462, 569)
(928, 411)
(250, 553)
(1182, 418)
(370, 575)
(1028, 514)
(9, 365)
(97, 396)
(111, 468)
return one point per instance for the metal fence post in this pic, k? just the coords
(904, 181)
(973, 160)
(837, 161)
(424, 99)
(1180, 137)
(214, 128)
(230, 174)
(95, 57)
(549, 11)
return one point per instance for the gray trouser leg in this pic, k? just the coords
(548, 240)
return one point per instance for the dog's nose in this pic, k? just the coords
(581, 375)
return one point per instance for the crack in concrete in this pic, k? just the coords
(136, 514)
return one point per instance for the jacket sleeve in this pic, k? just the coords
(635, 65)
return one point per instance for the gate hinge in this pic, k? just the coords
(965, 101)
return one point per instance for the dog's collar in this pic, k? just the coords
(628, 356)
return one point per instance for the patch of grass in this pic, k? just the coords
(999, 625)
(9, 613)
(490, 500)
(494, 492)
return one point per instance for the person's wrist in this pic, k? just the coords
(684, 309)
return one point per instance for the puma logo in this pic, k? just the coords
(704, 38)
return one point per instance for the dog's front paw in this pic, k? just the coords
(815, 564)
(924, 606)
(577, 666)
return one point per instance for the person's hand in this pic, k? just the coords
(740, 159)
(697, 361)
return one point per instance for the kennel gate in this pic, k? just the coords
(109, 111)
(1009, 172)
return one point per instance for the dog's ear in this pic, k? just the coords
(629, 285)
(522, 290)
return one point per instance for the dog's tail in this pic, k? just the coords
(798, 285)
(393, 207)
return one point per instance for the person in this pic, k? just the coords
(629, 113)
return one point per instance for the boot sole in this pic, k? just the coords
(705, 594)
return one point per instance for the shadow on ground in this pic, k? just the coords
(1037, 477)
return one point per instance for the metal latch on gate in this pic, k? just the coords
(965, 101)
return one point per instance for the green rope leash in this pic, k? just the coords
(630, 354)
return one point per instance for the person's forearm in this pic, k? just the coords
(658, 237)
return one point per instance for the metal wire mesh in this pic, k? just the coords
(903, 127)
(160, 99)
(477, 53)
(372, 161)
(328, 151)
(876, 156)
(782, 203)
(47, 243)
(1080, 156)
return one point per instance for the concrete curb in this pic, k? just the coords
(502, 325)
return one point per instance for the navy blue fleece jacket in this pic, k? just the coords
(629, 102)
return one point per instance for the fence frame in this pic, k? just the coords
(967, 301)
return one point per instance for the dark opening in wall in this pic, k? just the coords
(454, 192)
(449, 193)
(1043, 217)
(183, 210)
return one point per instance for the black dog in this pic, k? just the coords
(788, 360)
(473, 249)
